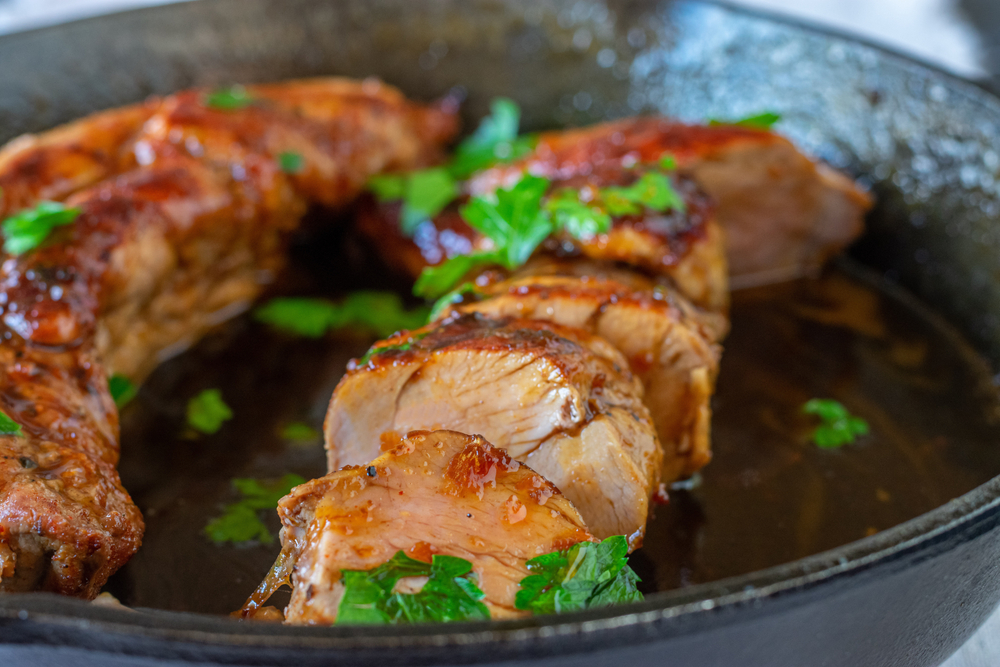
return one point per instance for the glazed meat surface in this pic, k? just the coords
(668, 347)
(783, 214)
(558, 399)
(188, 225)
(429, 493)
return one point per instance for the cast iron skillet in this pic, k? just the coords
(925, 141)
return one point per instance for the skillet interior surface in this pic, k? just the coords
(923, 140)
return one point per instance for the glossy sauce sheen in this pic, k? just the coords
(768, 497)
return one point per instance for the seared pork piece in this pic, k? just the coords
(157, 255)
(429, 493)
(666, 345)
(686, 247)
(560, 400)
(783, 214)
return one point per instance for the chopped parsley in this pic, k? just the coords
(761, 121)
(206, 412)
(454, 296)
(122, 390)
(241, 522)
(299, 432)
(838, 426)
(426, 192)
(291, 163)
(653, 190)
(586, 575)
(583, 220)
(8, 426)
(228, 99)
(27, 229)
(449, 594)
(382, 313)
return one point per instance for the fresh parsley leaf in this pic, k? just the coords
(291, 163)
(8, 426)
(452, 297)
(668, 162)
(513, 219)
(388, 187)
(380, 312)
(378, 349)
(839, 427)
(427, 192)
(228, 99)
(586, 575)
(27, 229)
(449, 594)
(206, 412)
(653, 190)
(582, 220)
(495, 140)
(122, 390)
(761, 121)
(241, 520)
(435, 281)
(299, 432)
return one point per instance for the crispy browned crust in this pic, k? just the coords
(182, 223)
(429, 493)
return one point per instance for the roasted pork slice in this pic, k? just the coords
(428, 493)
(687, 247)
(155, 256)
(561, 400)
(783, 213)
(668, 346)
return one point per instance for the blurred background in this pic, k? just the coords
(961, 36)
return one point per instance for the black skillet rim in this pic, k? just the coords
(915, 540)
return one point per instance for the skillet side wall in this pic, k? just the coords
(927, 143)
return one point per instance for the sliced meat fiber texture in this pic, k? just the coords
(561, 400)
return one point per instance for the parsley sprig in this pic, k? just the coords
(426, 192)
(241, 522)
(27, 229)
(122, 390)
(382, 313)
(206, 412)
(586, 575)
(8, 426)
(449, 594)
(839, 427)
(761, 121)
(228, 99)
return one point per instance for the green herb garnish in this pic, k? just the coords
(380, 312)
(586, 575)
(122, 390)
(233, 97)
(653, 190)
(27, 229)
(839, 427)
(241, 520)
(583, 220)
(426, 192)
(494, 141)
(761, 121)
(449, 594)
(8, 426)
(291, 163)
(452, 297)
(206, 412)
(299, 432)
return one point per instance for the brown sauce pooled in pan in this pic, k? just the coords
(769, 496)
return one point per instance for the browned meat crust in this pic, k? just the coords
(430, 493)
(187, 234)
(558, 399)
(669, 345)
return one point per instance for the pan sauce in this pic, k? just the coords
(768, 497)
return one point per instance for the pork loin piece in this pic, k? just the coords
(668, 348)
(686, 247)
(430, 493)
(561, 400)
(184, 238)
(783, 214)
